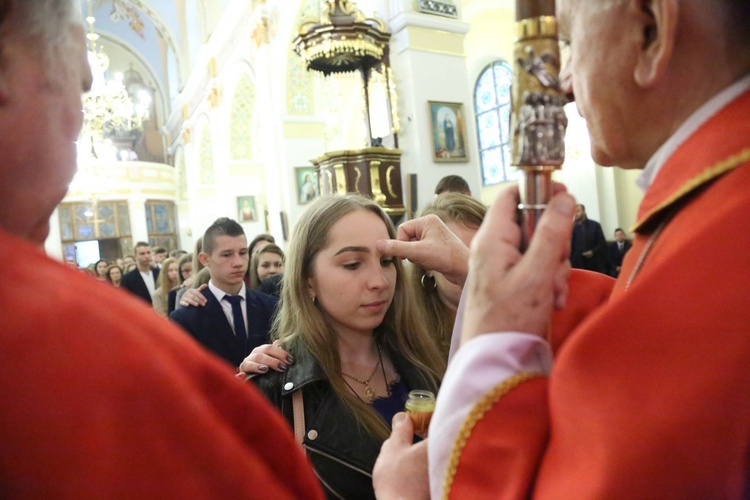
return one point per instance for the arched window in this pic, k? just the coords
(492, 108)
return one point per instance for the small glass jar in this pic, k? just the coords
(419, 407)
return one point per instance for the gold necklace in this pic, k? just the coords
(369, 392)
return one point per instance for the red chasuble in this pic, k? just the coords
(650, 396)
(102, 398)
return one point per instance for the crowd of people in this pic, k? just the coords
(171, 271)
(589, 250)
(560, 383)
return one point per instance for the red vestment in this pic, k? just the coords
(102, 398)
(650, 395)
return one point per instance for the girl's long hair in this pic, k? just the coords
(301, 321)
(255, 260)
(449, 207)
(163, 286)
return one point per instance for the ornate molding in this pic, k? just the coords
(438, 8)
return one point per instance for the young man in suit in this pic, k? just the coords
(234, 320)
(160, 255)
(588, 248)
(616, 252)
(141, 281)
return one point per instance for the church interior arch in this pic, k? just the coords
(237, 112)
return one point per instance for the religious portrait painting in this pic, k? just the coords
(307, 184)
(246, 210)
(448, 127)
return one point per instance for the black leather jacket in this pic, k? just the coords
(342, 454)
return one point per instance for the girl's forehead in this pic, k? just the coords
(359, 225)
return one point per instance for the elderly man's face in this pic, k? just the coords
(40, 118)
(598, 71)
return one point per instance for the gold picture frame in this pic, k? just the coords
(308, 187)
(448, 127)
(246, 209)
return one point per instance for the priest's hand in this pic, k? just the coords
(429, 243)
(508, 291)
(401, 469)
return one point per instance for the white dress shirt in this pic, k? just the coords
(148, 279)
(226, 306)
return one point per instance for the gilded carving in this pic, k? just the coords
(356, 179)
(340, 178)
(377, 193)
(389, 180)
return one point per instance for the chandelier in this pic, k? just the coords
(342, 40)
(110, 111)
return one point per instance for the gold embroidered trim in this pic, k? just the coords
(711, 173)
(475, 415)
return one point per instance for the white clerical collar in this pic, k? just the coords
(698, 118)
(219, 293)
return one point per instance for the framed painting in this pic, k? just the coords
(448, 127)
(246, 211)
(307, 184)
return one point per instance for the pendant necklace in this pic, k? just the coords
(368, 392)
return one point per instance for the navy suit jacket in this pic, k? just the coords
(210, 327)
(588, 235)
(615, 256)
(133, 282)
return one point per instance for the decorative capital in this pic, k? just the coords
(186, 135)
(260, 33)
(214, 96)
(438, 8)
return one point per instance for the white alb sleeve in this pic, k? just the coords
(476, 368)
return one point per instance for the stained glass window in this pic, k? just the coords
(82, 221)
(492, 108)
(240, 131)
(206, 158)
(300, 83)
(161, 224)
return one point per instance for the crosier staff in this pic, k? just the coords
(538, 120)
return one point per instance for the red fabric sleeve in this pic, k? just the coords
(501, 444)
(102, 398)
(587, 290)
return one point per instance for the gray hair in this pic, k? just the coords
(44, 20)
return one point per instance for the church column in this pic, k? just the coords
(268, 106)
(429, 64)
(607, 194)
(52, 245)
(137, 210)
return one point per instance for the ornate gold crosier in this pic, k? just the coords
(538, 121)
